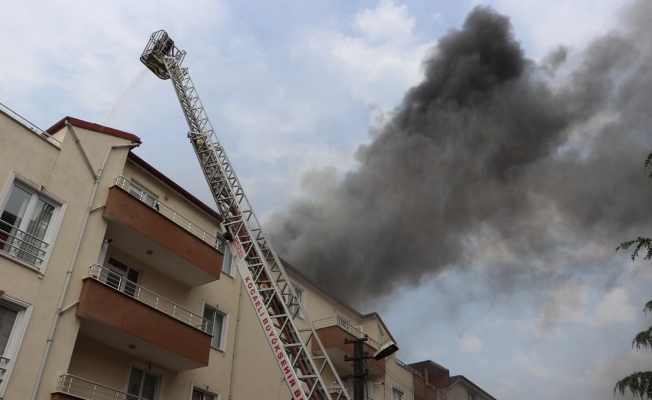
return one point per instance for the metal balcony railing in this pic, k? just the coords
(339, 321)
(27, 124)
(218, 242)
(412, 370)
(21, 245)
(334, 388)
(146, 296)
(4, 364)
(85, 389)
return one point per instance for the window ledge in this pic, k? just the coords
(23, 263)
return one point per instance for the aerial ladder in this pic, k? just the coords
(269, 288)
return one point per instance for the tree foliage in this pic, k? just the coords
(639, 383)
(641, 243)
(643, 339)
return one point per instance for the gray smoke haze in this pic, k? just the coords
(494, 161)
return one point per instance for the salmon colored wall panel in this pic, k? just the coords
(333, 337)
(111, 307)
(145, 220)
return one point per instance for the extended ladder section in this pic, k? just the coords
(268, 285)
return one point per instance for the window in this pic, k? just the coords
(14, 315)
(200, 392)
(121, 276)
(397, 394)
(26, 224)
(228, 260)
(143, 383)
(217, 320)
(201, 395)
(471, 396)
(369, 390)
(301, 298)
(143, 195)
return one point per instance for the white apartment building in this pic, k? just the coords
(115, 283)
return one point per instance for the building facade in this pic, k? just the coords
(115, 283)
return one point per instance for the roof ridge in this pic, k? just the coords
(91, 126)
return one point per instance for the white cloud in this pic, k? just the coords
(614, 308)
(531, 363)
(504, 387)
(544, 25)
(430, 353)
(599, 379)
(379, 63)
(387, 22)
(569, 304)
(483, 362)
(470, 344)
(566, 303)
(77, 55)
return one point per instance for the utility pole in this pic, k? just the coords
(359, 372)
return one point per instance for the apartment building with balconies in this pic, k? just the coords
(115, 283)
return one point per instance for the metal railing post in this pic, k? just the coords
(146, 296)
(172, 214)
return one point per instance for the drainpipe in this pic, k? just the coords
(235, 343)
(74, 257)
(81, 148)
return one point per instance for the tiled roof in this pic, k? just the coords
(455, 378)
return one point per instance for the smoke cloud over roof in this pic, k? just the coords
(496, 162)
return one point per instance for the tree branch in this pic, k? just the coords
(639, 383)
(643, 339)
(641, 242)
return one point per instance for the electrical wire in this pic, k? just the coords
(409, 388)
(390, 392)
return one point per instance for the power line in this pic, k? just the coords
(409, 388)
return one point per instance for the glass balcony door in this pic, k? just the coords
(122, 277)
(142, 384)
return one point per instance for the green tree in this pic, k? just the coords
(639, 383)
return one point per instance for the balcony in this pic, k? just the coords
(22, 246)
(74, 387)
(160, 236)
(133, 319)
(336, 392)
(332, 331)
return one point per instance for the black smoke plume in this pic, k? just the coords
(495, 163)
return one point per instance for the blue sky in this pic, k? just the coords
(295, 86)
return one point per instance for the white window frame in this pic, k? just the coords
(225, 325)
(205, 389)
(107, 265)
(370, 390)
(302, 300)
(151, 370)
(227, 255)
(16, 337)
(145, 194)
(400, 392)
(55, 222)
